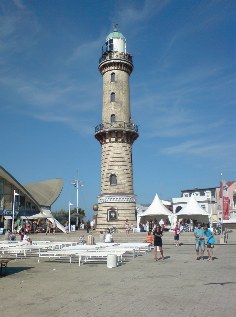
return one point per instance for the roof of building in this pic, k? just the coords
(6, 175)
(42, 193)
(45, 192)
(199, 189)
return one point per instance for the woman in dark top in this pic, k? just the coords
(157, 233)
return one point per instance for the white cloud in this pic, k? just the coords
(202, 148)
(86, 50)
(18, 28)
(130, 13)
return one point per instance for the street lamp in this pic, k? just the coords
(76, 183)
(13, 210)
(70, 204)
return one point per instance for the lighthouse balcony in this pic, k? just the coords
(110, 55)
(117, 125)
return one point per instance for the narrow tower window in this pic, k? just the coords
(113, 179)
(113, 97)
(113, 77)
(113, 118)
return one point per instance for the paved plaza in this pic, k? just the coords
(177, 286)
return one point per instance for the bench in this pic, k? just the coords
(3, 266)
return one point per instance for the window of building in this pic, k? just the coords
(113, 179)
(109, 45)
(208, 194)
(113, 118)
(1, 186)
(186, 195)
(113, 97)
(178, 209)
(111, 214)
(113, 77)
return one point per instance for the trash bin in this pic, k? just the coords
(72, 228)
(111, 261)
(90, 240)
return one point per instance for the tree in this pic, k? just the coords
(81, 212)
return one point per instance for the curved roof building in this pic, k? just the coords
(30, 199)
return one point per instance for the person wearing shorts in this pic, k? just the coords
(176, 235)
(199, 241)
(210, 242)
(157, 233)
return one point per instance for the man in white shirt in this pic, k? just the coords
(108, 237)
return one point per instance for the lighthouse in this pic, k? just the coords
(116, 134)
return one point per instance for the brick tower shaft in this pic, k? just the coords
(116, 134)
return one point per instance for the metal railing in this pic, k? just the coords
(116, 55)
(116, 125)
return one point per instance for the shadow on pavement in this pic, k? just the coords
(14, 270)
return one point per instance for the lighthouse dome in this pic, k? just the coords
(115, 42)
(115, 35)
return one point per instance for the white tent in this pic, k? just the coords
(156, 210)
(193, 211)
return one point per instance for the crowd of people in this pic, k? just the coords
(204, 237)
(23, 234)
(24, 227)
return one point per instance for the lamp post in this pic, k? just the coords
(13, 210)
(70, 204)
(76, 184)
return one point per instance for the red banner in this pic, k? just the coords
(226, 204)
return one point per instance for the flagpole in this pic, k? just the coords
(222, 217)
(222, 204)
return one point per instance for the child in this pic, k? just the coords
(149, 238)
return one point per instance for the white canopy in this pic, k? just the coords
(156, 210)
(193, 211)
(36, 216)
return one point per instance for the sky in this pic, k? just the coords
(182, 93)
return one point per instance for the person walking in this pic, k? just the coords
(199, 241)
(54, 227)
(210, 240)
(48, 229)
(157, 233)
(176, 235)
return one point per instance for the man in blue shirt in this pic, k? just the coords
(199, 240)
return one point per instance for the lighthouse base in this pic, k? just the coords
(113, 211)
